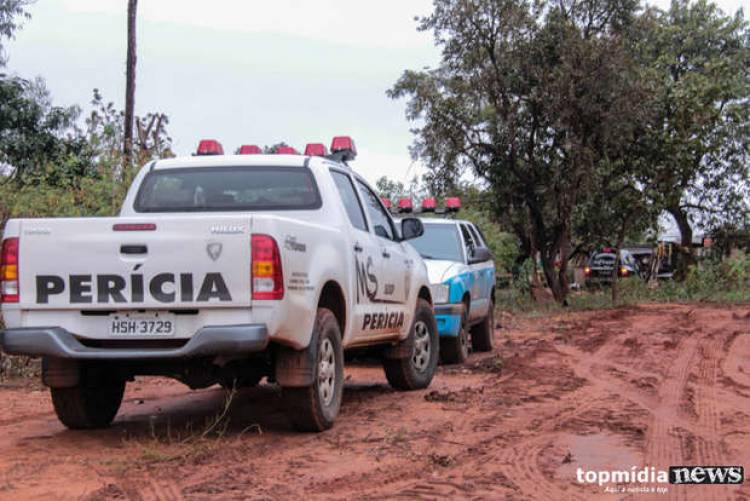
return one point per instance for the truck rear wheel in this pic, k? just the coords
(415, 372)
(482, 334)
(315, 407)
(455, 350)
(93, 403)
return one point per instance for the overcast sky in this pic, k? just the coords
(245, 71)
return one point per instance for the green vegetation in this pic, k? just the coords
(586, 120)
(710, 280)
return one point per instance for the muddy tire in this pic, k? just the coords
(455, 350)
(91, 404)
(315, 408)
(482, 334)
(416, 371)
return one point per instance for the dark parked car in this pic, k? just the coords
(600, 269)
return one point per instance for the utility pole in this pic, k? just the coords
(127, 149)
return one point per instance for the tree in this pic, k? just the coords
(130, 84)
(389, 188)
(34, 133)
(695, 156)
(10, 13)
(533, 98)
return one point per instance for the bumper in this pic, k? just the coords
(208, 341)
(448, 318)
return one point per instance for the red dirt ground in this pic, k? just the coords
(654, 385)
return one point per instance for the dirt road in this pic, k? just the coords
(651, 386)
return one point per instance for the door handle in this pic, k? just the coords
(357, 247)
(386, 254)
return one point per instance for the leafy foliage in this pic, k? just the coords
(531, 98)
(12, 14)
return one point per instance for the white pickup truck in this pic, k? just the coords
(221, 269)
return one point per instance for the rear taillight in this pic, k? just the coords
(9, 271)
(267, 275)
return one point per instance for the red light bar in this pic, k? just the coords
(316, 150)
(250, 149)
(429, 204)
(286, 150)
(405, 205)
(134, 227)
(209, 147)
(452, 204)
(343, 147)
(386, 202)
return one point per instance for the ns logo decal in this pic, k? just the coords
(367, 282)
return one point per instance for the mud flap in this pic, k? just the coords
(295, 368)
(400, 350)
(60, 373)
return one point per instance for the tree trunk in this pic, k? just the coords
(553, 278)
(686, 257)
(130, 86)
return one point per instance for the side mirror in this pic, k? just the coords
(480, 255)
(411, 227)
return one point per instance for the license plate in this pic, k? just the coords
(156, 324)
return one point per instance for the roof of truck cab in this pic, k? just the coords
(440, 220)
(232, 161)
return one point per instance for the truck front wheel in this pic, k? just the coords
(315, 407)
(416, 356)
(93, 403)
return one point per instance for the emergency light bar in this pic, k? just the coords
(405, 205)
(209, 147)
(286, 150)
(429, 204)
(316, 150)
(452, 204)
(250, 149)
(343, 149)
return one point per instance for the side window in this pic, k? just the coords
(349, 197)
(475, 233)
(381, 222)
(470, 244)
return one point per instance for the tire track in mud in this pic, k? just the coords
(663, 446)
(157, 489)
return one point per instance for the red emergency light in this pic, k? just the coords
(429, 204)
(286, 150)
(250, 149)
(452, 204)
(343, 149)
(316, 150)
(405, 205)
(209, 147)
(386, 202)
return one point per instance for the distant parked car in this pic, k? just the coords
(600, 270)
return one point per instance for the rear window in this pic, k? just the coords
(228, 189)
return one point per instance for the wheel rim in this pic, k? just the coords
(326, 372)
(422, 348)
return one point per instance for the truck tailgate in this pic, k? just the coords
(188, 261)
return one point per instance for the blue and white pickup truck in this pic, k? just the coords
(462, 280)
